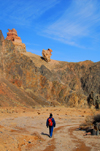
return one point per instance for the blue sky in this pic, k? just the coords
(71, 28)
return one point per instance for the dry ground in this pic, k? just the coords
(24, 129)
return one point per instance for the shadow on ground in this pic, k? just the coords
(45, 134)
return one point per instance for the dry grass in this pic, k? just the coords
(89, 122)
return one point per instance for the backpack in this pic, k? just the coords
(50, 123)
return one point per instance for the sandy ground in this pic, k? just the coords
(25, 130)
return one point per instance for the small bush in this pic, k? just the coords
(96, 118)
(90, 121)
(87, 124)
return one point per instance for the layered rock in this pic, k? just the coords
(63, 84)
(12, 35)
(46, 54)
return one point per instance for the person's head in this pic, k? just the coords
(97, 97)
(51, 115)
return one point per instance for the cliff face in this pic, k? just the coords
(56, 82)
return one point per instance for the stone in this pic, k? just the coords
(46, 54)
(12, 35)
(37, 83)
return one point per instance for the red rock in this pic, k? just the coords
(46, 54)
(12, 35)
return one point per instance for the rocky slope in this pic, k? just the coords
(43, 83)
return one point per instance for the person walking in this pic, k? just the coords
(51, 124)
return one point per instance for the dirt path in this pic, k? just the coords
(26, 131)
(81, 145)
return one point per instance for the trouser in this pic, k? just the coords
(50, 131)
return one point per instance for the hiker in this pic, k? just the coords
(97, 103)
(51, 124)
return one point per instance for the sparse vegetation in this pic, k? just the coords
(89, 122)
(96, 118)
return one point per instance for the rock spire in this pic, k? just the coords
(12, 35)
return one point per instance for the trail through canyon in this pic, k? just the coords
(25, 130)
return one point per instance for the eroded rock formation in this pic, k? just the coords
(63, 83)
(46, 54)
(12, 35)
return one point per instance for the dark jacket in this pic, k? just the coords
(54, 123)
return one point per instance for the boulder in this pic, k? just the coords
(46, 54)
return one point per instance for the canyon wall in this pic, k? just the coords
(64, 84)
